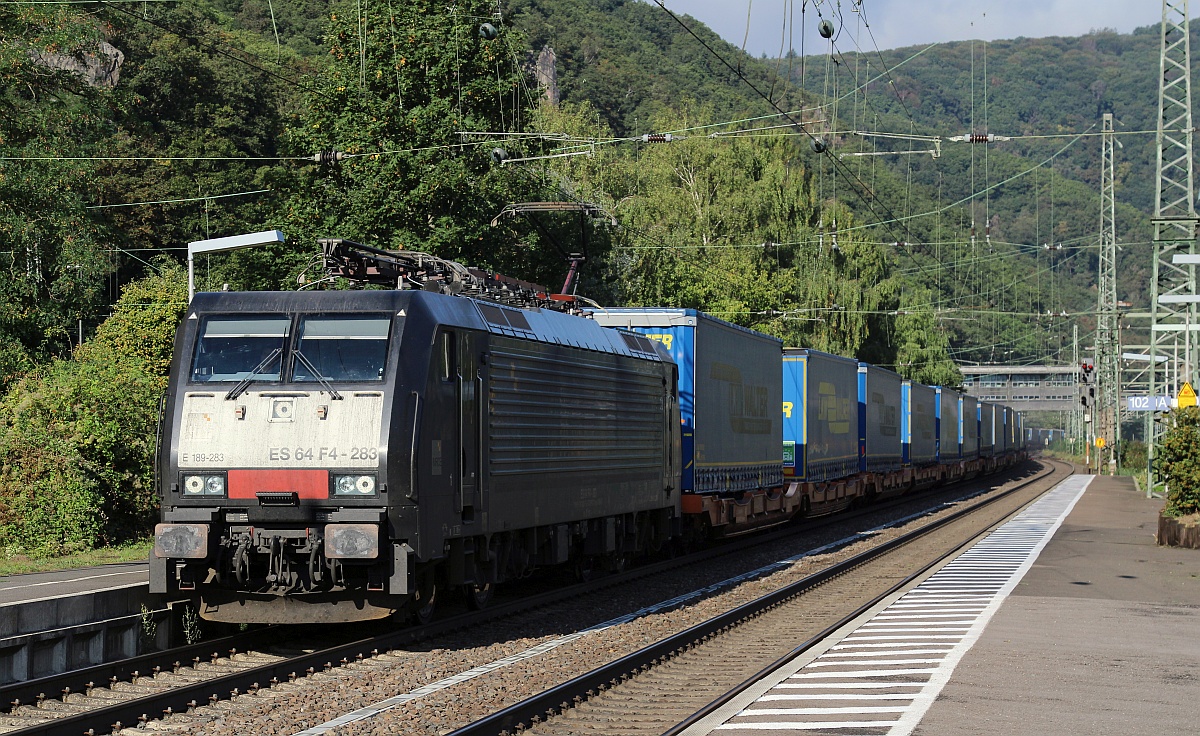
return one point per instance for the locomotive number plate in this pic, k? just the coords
(282, 454)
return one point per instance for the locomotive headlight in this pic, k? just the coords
(181, 541)
(204, 485)
(354, 485)
(351, 541)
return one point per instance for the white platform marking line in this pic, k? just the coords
(1051, 510)
(886, 653)
(918, 629)
(955, 636)
(874, 662)
(837, 696)
(814, 726)
(865, 710)
(891, 644)
(846, 685)
(863, 673)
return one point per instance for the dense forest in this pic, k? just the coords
(129, 130)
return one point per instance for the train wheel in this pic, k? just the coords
(478, 596)
(584, 568)
(425, 599)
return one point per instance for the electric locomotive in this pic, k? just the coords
(344, 455)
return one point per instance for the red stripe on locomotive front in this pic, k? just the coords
(304, 483)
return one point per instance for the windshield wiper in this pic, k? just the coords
(317, 374)
(243, 384)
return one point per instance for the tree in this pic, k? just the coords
(731, 226)
(52, 256)
(78, 436)
(1178, 460)
(922, 348)
(406, 84)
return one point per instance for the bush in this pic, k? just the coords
(1178, 461)
(78, 436)
(1133, 455)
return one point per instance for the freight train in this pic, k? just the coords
(346, 455)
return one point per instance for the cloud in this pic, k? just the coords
(776, 24)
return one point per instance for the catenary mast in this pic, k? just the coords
(1173, 314)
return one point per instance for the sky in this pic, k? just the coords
(897, 23)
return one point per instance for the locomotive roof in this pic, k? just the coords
(542, 325)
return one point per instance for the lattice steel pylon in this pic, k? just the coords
(1173, 316)
(1108, 350)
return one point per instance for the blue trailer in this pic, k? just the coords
(820, 416)
(987, 429)
(729, 399)
(968, 427)
(949, 407)
(918, 412)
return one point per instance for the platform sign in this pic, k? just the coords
(1187, 395)
(1148, 403)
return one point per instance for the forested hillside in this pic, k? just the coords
(127, 132)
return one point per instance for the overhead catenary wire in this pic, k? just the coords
(868, 197)
(177, 201)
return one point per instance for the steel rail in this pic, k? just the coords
(15, 694)
(557, 700)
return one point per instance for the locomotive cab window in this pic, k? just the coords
(447, 368)
(347, 348)
(240, 348)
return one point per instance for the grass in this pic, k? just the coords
(132, 552)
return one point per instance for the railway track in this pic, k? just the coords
(665, 687)
(201, 686)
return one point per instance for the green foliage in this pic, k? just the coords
(923, 348)
(78, 436)
(732, 226)
(52, 264)
(298, 24)
(198, 113)
(1178, 460)
(402, 80)
(1132, 456)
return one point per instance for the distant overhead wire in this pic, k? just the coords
(864, 191)
(1074, 139)
(176, 201)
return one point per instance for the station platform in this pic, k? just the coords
(1068, 619)
(57, 621)
(42, 585)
